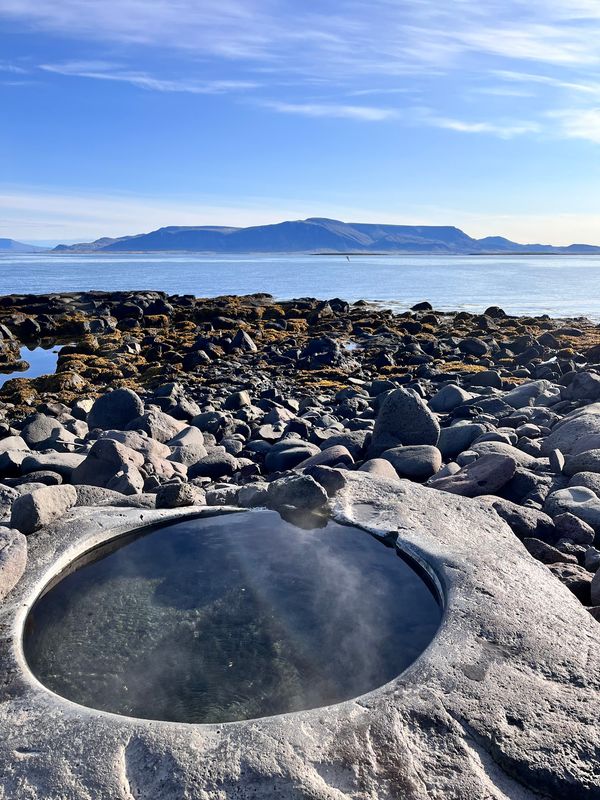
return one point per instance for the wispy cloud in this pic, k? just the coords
(106, 71)
(577, 123)
(506, 130)
(364, 113)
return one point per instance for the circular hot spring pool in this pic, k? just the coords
(215, 619)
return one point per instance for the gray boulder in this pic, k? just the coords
(177, 495)
(288, 454)
(418, 462)
(578, 431)
(214, 465)
(40, 431)
(448, 398)
(115, 410)
(586, 461)
(524, 521)
(525, 395)
(577, 500)
(403, 419)
(459, 437)
(547, 554)
(379, 467)
(157, 425)
(13, 559)
(485, 476)
(501, 448)
(106, 460)
(34, 510)
(62, 463)
(300, 491)
(574, 528)
(99, 496)
(591, 480)
(329, 457)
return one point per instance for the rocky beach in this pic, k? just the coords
(173, 401)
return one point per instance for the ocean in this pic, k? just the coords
(555, 285)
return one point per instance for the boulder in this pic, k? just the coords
(157, 425)
(99, 496)
(418, 462)
(485, 476)
(524, 521)
(177, 495)
(13, 559)
(288, 454)
(501, 448)
(526, 394)
(329, 457)
(34, 510)
(62, 463)
(586, 461)
(379, 467)
(40, 431)
(115, 410)
(578, 431)
(577, 500)
(544, 552)
(300, 491)
(403, 419)
(214, 465)
(448, 398)
(591, 480)
(574, 528)
(106, 460)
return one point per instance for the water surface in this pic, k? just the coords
(41, 360)
(555, 285)
(231, 617)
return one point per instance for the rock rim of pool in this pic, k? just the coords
(504, 703)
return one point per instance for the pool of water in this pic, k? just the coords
(42, 361)
(232, 617)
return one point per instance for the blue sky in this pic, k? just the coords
(120, 117)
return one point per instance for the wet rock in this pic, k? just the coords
(13, 559)
(403, 419)
(115, 410)
(34, 510)
(418, 462)
(485, 476)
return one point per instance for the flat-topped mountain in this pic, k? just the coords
(12, 246)
(317, 235)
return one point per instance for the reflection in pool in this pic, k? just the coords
(42, 361)
(230, 617)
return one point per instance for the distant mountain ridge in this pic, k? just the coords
(317, 235)
(12, 246)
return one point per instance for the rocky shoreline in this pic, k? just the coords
(172, 401)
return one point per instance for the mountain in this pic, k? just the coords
(317, 235)
(11, 246)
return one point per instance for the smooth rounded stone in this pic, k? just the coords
(501, 448)
(485, 476)
(13, 559)
(544, 552)
(448, 398)
(574, 528)
(577, 500)
(115, 410)
(177, 495)
(40, 431)
(495, 436)
(586, 461)
(576, 578)
(466, 457)
(451, 468)
(106, 459)
(403, 419)
(578, 431)
(99, 496)
(288, 454)
(45, 476)
(237, 400)
(157, 425)
(34, 510)
(189, 435)
(140, 442)
(210, 421)
(418, 462)
(473, 347)
(591, 480)
(487, 377)
(214, 465)
(525, 394)
(354, 441)
(331, 479)
(329, 457)
(528, 430)
(232, 446)
(523, 521)
(300, 491)
(188, 454)
(379, 467)
(221, 496)
(459, 437)
(62, 463)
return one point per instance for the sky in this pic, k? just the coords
(121, 116)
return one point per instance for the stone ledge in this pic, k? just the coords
(504, 703)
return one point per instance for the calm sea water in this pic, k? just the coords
(555, 285)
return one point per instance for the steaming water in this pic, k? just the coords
(232, 617)
(555, 285)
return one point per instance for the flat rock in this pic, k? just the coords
(486, 475)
